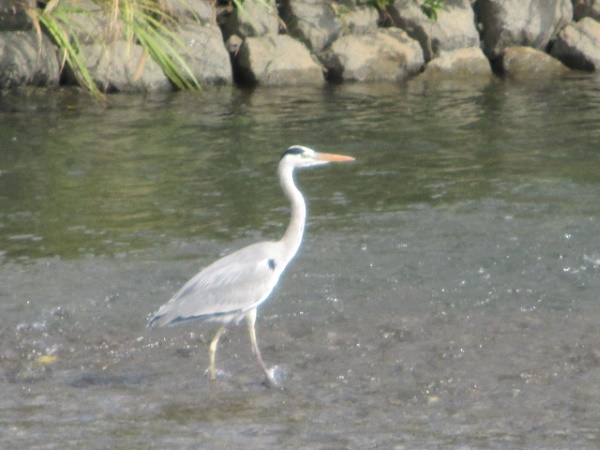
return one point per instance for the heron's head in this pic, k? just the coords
(300, 156)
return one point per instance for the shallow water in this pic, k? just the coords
(446, 294)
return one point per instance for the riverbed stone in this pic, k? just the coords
(387, 55)
(453, 28)
(461, 63)
(318, 23)
(530, 63)
(531, 23)
(27, 58)
(205, 53)
(277, 61)
(578, 45)
(123, 66)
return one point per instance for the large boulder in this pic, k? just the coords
(27, 58)
(318, 23)
(204, 53)
(387, 55)
(578, 45)
(526, 63)
(277, 61)
(530, 23)
(123, 66)
(453, 28)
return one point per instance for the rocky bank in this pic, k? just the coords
(312, 42)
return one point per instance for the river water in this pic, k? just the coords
(446, 294)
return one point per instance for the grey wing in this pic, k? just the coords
(226, 289)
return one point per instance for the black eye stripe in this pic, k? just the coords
(295, 150)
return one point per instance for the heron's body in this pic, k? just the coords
(215, 293)
(232, 287)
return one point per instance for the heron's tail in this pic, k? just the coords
(155, 322)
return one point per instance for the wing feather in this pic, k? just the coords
(227, 288)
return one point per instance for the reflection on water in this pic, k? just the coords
(188, 165)
(445, 296)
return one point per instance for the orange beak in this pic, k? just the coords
(331, 157)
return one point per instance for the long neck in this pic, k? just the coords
(293, 235)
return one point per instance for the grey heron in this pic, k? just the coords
(234, 286)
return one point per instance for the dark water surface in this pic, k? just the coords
(447, 294)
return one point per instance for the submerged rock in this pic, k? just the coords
(528, 63)
(464, 62)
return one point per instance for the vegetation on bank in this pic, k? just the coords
(145, 22)
(148, 23)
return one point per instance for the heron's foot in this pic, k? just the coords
(276, 376)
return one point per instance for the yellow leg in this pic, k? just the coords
(251, 318)
(213, 351)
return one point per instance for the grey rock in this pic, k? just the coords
(205, 53)
(89, 24)
(528, 63)
(387, 55)
(464, 62)
(318, 23)
(202, 11)
(13, 15)
(124, 67)
(531, 23)
(258, 18)
(586, 8)
(361, 20)
(27, 58)
(453, 29)
(578, 45)
(233, 44)
(277, 61)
